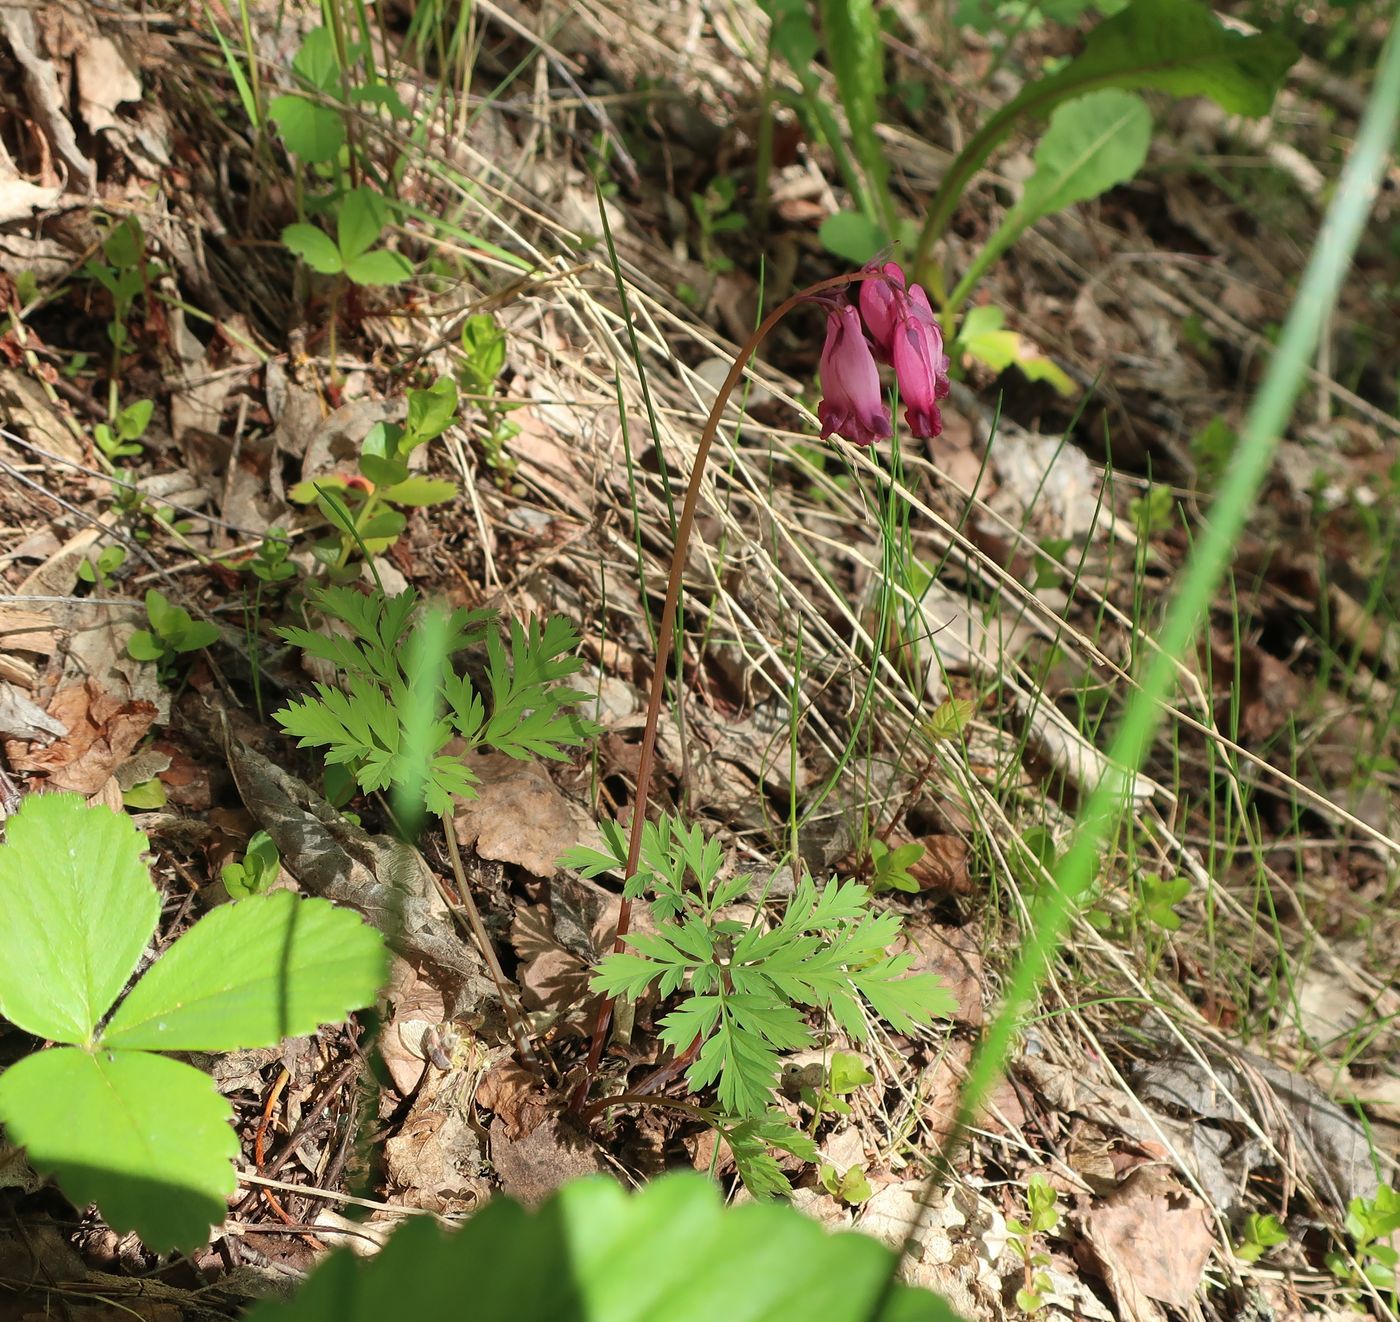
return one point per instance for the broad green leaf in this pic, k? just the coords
(380, 459)
(1175, 46)
(143, 646)
(421, 491)
(671, 1253)
(1093, 144)
(379, 267)
(983, 337)
(251, 973)
(852, 236)
(317, 60)
(133, 420)
(315, 133)
(793, 36)
(431, 411)
(314, 247)
(76, 908)
(848, 1072)
(146, 1138)
(359, 222)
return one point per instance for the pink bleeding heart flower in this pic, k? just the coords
(921, 368)
(880, 302)
(852, 404)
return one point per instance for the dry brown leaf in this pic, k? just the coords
(943, 866)
(514, 1096)
(22, 719)
(105, 81)
(533, 1167)
(26, 631)
(954, 954)
(1152, 1239)
(415, 1001)
(550, 977)
(102, 732)
(520, 815)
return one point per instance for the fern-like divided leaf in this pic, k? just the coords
(385, 659)
(742, 987)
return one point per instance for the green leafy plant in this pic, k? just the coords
(173, 633)
(890, 867)
(1261, 1232)
(743, 987)
(1211, 448)
(845, 1073)
(100, 570)
(984, 337)
(147, 1137)
(1160, 898)
(366, 726)
(715, 215)
(125, 273)
(778, 1265)
(256, 871)
(270, 564)
(360, 216)
(1042, 1216)
(122, 438)
(1371, 1222)
(361, 509)
(1154, 511)
(851, 1187)
(483, 361)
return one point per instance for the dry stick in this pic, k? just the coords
(666, 635)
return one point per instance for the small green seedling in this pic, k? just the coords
(983, 336)
(715, 214)
(1212, 448)
(853, 1187)
(1159, 899)
(172, 633)
(890, 867)
(1262, 1232)
(124, 272)
(1153, 512)
(360, 218)
(100, 571)
(122, 438)
(1371, 1222)
(483, 361)
(846, 1073)
(950, 719)
(270, 565)
(1043, 1216)
(147, 1137)
(258, 870)
(361, 510)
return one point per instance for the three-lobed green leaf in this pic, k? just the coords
(147, 1138)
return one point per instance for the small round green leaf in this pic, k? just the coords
(380, 267)
(148, 1139)
(251, 973)
(314, 247)
(76, 907)
(853, 236)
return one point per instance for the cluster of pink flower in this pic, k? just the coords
(894, 324)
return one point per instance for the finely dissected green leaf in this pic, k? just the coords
(148, 1139)
(1093, 144)
(528, 715)
(77, 907)
(617, 1257)
(315, 247)
(251, 973)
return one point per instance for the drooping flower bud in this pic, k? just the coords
(852, 404)
(921, 368)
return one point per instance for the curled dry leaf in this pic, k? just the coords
(102, 733)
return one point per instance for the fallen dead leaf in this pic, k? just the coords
(105, 81)
(520, 815)
(102, 733)
(550, 977)
(415, 1001)
(1152, 1239)
(514, 1096)
(954, 954)
(533, 1167)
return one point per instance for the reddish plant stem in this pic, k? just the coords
(666, 634)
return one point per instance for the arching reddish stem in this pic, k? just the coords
(666, 634)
